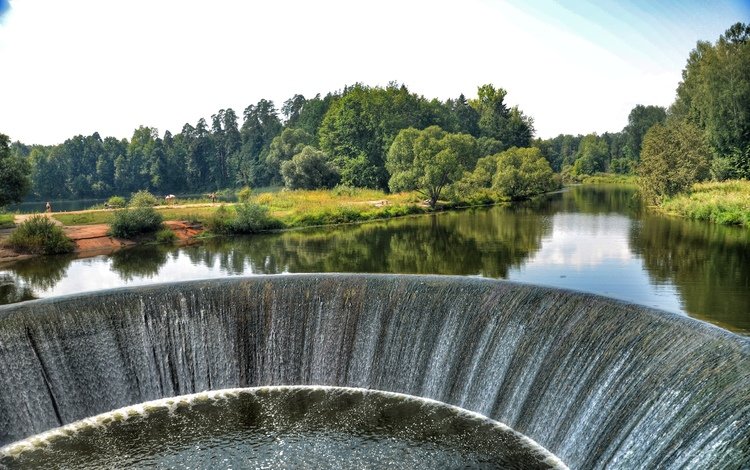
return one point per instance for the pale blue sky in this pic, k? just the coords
(80, 66)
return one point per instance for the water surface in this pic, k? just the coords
(590, 238)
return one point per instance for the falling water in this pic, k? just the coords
(595, 381)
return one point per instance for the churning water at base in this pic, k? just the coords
(283, 427)
(598, 382)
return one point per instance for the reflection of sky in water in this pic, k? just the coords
(96, 274)
(592, 253)
(583, 252)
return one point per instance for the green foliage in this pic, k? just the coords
(166, 235)
(220, 221)
(496, 121)
(283, 147)
(715, 95)
(40, 235)
(429, 160)
(6, 221)
(640, 120)
(143, 198)
(116, 202)
(622, 166)
(359, 127)
(343, 190)
(309, 169)
(522, 173)
(132, 222)
(592, 155)
(252, 218)
(674, 157)
(244, 194)
(14, 174)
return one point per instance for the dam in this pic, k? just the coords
(597, 382)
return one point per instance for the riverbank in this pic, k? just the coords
(725, 203)
(288, 210)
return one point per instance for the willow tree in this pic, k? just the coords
(427, 161)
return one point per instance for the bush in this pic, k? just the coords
(219, 221)
(143, 199)
(252, 218)
(116, 202)
(40, 235)
(243, 195)
(165, 235)
(129, 223)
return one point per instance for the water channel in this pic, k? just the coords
(596, 239)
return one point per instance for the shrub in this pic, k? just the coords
(219, 221)
(252, 218)
(143, 199)
(40, 235)
(165, 235)
(129, 223)
(243, 195)
(116, 202)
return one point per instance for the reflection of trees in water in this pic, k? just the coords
(140, 261)
(11, 290)
(598, 199)
(709, 264)
(42, 273)
(483, 241)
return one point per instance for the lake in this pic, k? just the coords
(595, 239)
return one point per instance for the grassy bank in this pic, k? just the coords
(290, 208)
(6, 221)
(610, 178)
(726, 202)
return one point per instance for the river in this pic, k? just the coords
(595, 239)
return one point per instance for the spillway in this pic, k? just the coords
(596, 381)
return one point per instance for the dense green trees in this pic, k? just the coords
(14, 171)
(354, 129)
(715, 95)
(640, 120)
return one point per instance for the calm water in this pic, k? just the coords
(594, 238)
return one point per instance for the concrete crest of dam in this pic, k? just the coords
(597, 382)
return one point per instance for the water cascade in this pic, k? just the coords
(597, 382)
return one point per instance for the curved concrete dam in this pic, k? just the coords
(597, 382)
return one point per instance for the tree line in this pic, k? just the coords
(350, 130)
(393, 139)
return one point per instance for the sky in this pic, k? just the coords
(83, 66)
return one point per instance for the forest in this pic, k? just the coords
(389, 137)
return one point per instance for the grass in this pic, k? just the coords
(6, 221)
(282, 209)
(726, 203)
(610, 178)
